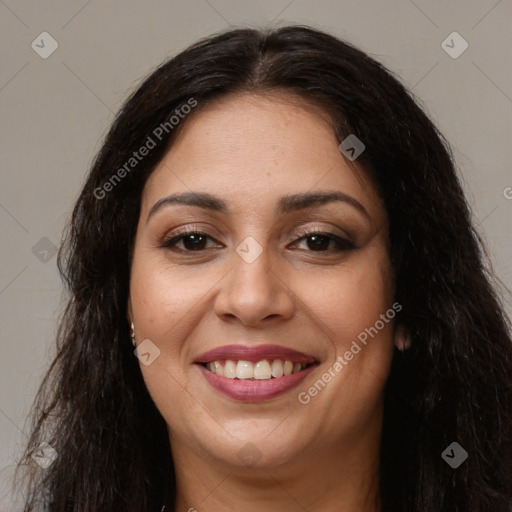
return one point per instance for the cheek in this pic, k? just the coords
(348, 300)
(164, 299)
(166, 305)
(348, 308)
(341, 302)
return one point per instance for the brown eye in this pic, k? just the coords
(318, 242)
(191, 241)
(324, 242)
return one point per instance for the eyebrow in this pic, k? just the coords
(286, 204)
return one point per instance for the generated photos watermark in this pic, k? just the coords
(454, 455)
(305, 397)
(44, 455)
(146, 352)
(150, 143)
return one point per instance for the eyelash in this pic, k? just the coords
(341, 243)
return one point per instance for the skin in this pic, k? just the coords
(249, 150)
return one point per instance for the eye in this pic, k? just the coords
(192, 241)
(320, 241)
(316, 241)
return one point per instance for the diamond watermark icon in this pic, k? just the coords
(44, 45)
(44, 250)
(454, 45)
(249, 249)
(249, 454)
(351, 147)
(44, 455)
(146, 352)
(454, 455)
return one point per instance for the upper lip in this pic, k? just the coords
(254, 353)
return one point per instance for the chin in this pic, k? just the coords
(259, 448)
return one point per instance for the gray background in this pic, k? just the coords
(55, 111)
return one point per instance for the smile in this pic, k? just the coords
(253, 373)
(261, 370)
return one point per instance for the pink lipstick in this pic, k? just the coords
(254, 353)
(254, 373)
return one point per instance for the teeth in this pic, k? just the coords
(277, 368)
(262, 370)
(218, 368)
(229, 369)
(244, 370)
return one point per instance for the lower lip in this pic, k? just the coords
(255, 390)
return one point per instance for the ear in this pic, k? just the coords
(402, 339)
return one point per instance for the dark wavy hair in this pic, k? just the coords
(454, 384)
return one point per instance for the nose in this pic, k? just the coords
(254, 293)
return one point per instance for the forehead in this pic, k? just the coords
(254, 148)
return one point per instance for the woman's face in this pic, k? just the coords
(255, 287)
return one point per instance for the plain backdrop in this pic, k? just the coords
(55, 111)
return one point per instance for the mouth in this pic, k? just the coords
(255, 373)
(260, 370)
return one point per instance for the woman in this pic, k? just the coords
(279, 230)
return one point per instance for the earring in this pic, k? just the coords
(401, 346)
(402, 339)
(132, 334)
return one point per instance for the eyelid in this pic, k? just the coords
(187, 229)
(302, 230)
(168, 241)
(342, 243)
